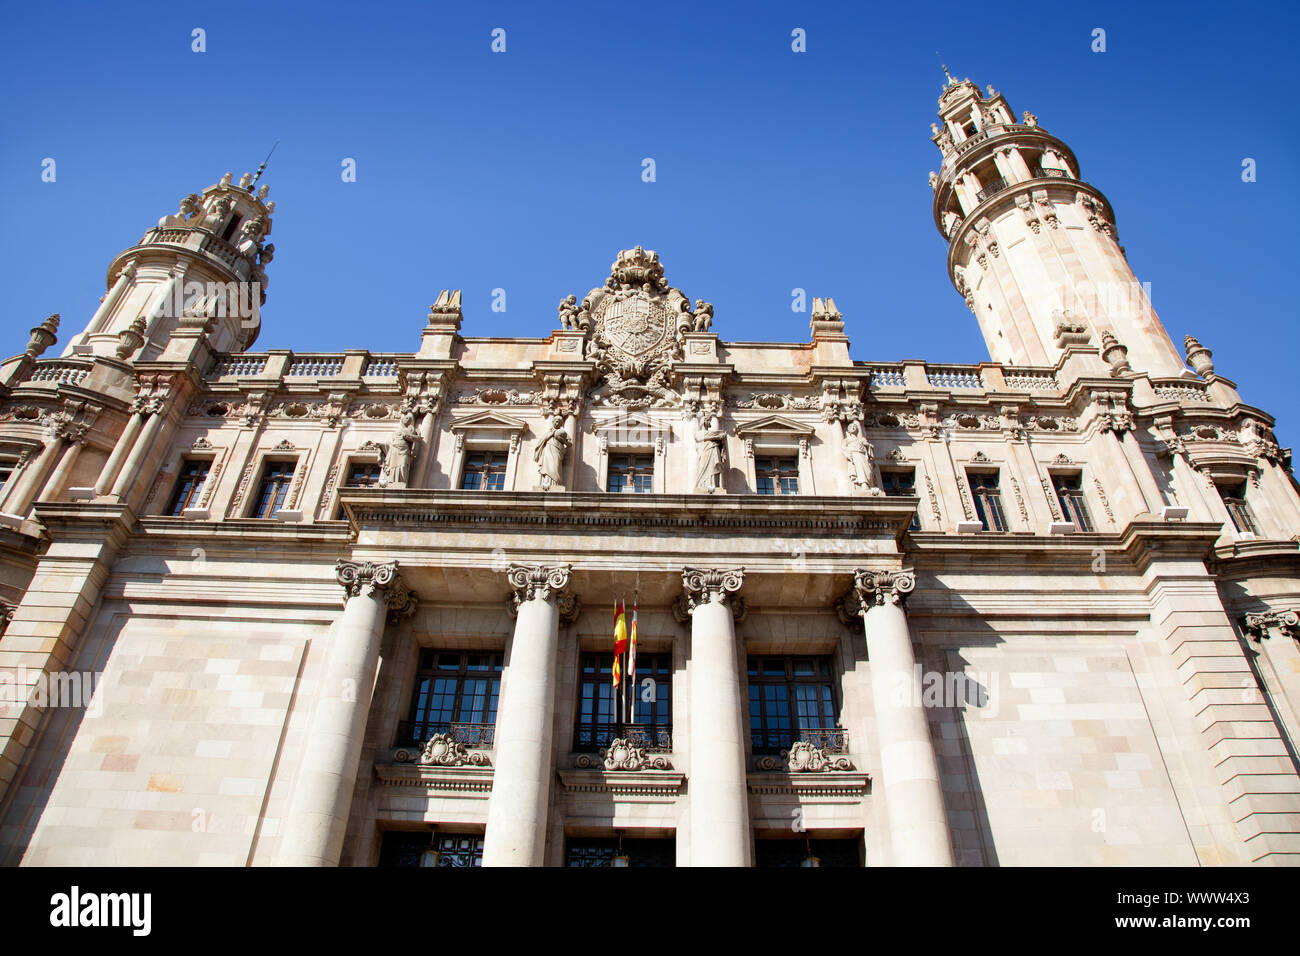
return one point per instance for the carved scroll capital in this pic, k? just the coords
(365, 578)
(538, 582)
(1258, 625)
(871, 588)
(710, 586)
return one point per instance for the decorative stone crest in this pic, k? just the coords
(803, 757)
(442, 750)
(538, 582)
(710, 586)
(637, 324)
(381, 581)
(621, 754)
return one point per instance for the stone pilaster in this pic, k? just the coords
(322, 795)
(525, 754)
(719, 800)
(909, 770)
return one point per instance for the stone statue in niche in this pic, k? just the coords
(549, 453)
(861, 458)
(401, 449)
(711, 443)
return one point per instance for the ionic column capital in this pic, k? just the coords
(710, 586)
(381, 581)
(1259, 624)
(539, 582)
(872, 588)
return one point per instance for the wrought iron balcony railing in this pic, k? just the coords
(833, 740)
(651, 738)
(991, 189)
(417, 732)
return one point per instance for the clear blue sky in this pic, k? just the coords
(522, 170)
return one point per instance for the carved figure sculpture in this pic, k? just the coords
(712, 446)
(703, 315)
(397, 463)
(550, 451)
(569, 312)
(860, 456)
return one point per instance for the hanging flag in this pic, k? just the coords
(620, 640)
(631, 661)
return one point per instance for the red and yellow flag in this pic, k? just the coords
(620, 640)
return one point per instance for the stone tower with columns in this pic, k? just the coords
(1032, 247)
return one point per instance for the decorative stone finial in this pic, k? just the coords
(1115, 354)
(130, 339)
(43, 336)
(447, 307)
(1199, 357)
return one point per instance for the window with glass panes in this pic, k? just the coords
(484, 471)
(900, 483)
(363, 474)
(631, 473)
(1234, 499)
(600, 851)
(1069, 492)
(276, 478)
(788, 697)
(988, 500)
(647, 722)
(7, 468)
(455, 693)
(776, 476)
(406, 848)
(194, 474)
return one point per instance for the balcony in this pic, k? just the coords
(832, 740)
(992, 189)
(1048, 172)
(415, 733)
(650, 738)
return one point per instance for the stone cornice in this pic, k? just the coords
(1262, 557)
(416, 507)
(464, 781)
(324, 533)
(837, 784)
(664, 784)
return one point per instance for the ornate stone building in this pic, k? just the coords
(356, 608)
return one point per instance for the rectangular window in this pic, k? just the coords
(406, 848)
(631, 473)
(484, 471)
(988, 500)
(602, 717)
(194, 475)
(900, 483)
(1234, 499)
(363, 474)
(1069, 492)
(790, 699)
(456, 694)
(776, 476)
(600, 851)
(7, 468)
(276, 478)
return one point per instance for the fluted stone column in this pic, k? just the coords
(128, 475)
(918, 823)
(524, 753)
(322, 796)
(719, 808)
(123, 447)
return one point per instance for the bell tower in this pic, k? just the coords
(204, 267)
(1032, 247)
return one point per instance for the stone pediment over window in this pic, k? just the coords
(775, 427)
(485, 423)
(635, 429)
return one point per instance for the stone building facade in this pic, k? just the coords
(267, 608)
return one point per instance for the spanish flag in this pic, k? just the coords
(620, 640)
